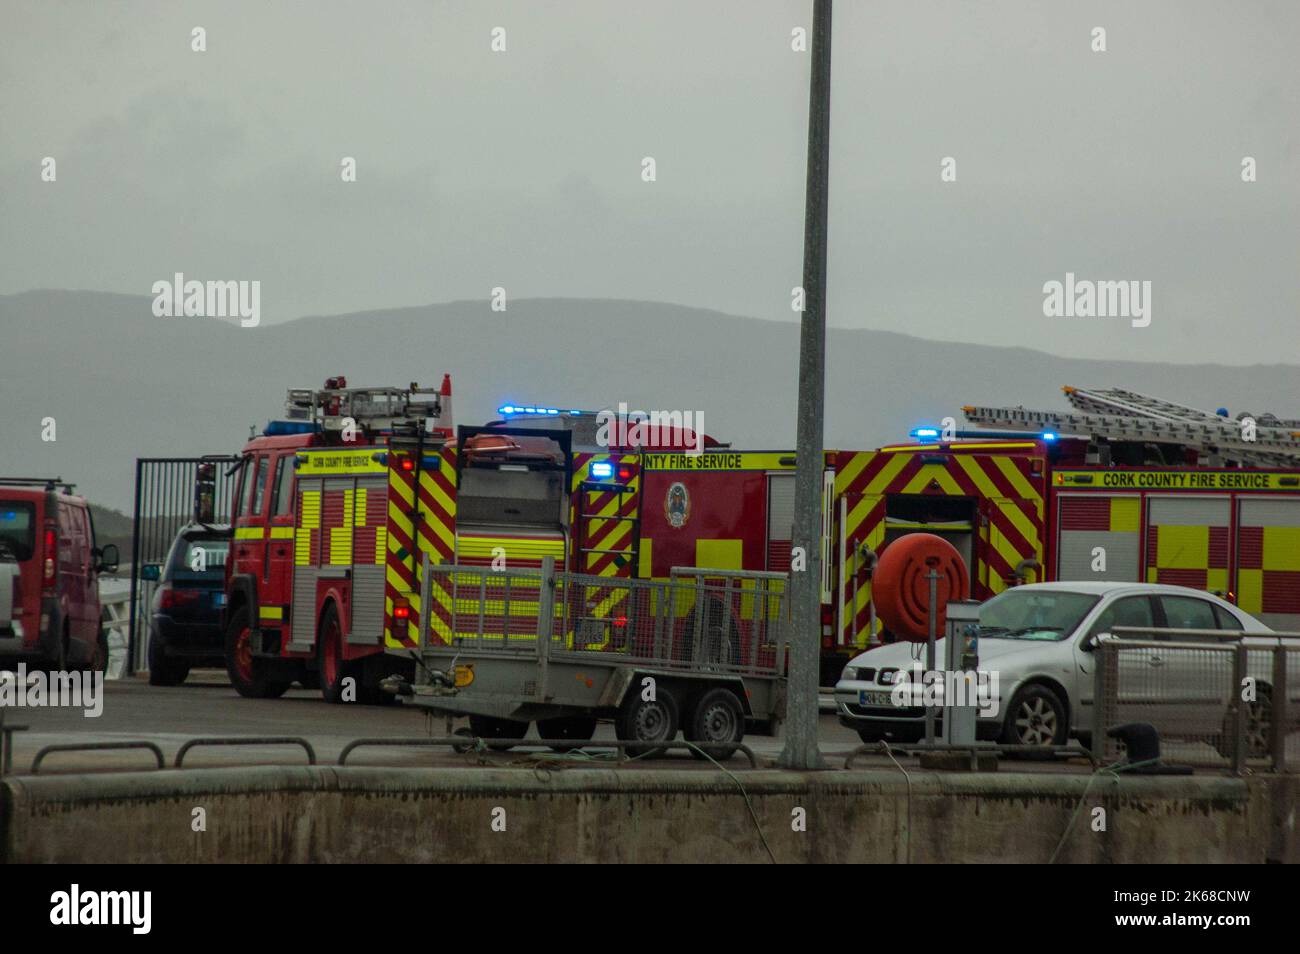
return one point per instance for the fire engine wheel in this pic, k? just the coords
(720, 644)
(575, 729)
(508, 731)
(716, 718)
(240, 664)
(641, 720)
(332, 668)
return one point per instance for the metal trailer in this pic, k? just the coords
(703, 651)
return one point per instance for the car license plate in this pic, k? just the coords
(218, 599)
(874, 698)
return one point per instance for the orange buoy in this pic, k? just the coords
(901, 590)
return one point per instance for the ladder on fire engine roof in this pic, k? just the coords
(371, 409)
(1115, 414)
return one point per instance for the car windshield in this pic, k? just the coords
(1024, 613)
(200, 559)
(17, 531)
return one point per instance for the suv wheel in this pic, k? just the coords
(164, 671)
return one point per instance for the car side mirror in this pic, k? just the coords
(108, 558)
(151, 572)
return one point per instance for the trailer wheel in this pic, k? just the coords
(332, 668)
(641, 720)
(717, 718)
(240, 664)
(508, 731)
(575, 729)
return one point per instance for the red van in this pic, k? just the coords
(49, 577)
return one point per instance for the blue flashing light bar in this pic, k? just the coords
(283, 428)
(1048, 436)
(510, 409)
(925, 433)
(602, 469)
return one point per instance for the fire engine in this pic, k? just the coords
(1128, 488)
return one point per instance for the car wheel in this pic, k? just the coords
(1259, 727)
(164, 671)
(1036, 716)
(642, 720)
(715, 720)
(241, 666)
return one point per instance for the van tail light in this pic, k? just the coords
(51, 556)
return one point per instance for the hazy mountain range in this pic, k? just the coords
(121, 383)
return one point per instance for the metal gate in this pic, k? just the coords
(164, 503)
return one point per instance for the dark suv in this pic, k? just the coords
(185, 622)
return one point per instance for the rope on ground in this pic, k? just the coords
(907, 851)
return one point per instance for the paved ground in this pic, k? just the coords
(207, 706)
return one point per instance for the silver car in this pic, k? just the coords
(1037, 639)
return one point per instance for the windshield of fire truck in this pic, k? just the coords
(1022, 613)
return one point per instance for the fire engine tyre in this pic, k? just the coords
(1036, 716)
(164, 671)
(640, 720)
(508, 731)
(332, 669)
(241, 666)
(575, 729)
(720, 644)
(717, 717)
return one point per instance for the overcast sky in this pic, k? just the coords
(522, 169)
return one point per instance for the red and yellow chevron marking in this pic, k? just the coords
(421, 519)
(1011, 511)
(601, 522)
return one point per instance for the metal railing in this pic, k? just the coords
(1220, 699)
(716, 620)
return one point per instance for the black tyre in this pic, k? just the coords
(716, 719)
(498, 733)
(331, 668)
(164, 671)
(1036, 716)
(244, 670)
(577, 730)
(719, 644)
(642, 720)
(1259, 727)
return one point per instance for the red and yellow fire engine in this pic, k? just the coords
(330, 584)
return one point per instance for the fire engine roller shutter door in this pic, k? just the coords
(1268, 560)
(1086, 522)
(369, 546)
(306, 563)
(1187, 541)
(780, 521)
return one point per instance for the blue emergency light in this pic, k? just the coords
(602, 469)
(926, 433)
(1048, 436)
(509, 409)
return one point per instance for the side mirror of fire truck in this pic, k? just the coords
(205, 492)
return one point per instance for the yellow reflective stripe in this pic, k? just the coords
(282, 533)
(310, 515)
(849, 471)
(248, 533)
(887, 474)
(721, 460)
(933, 472)
(270, 612)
